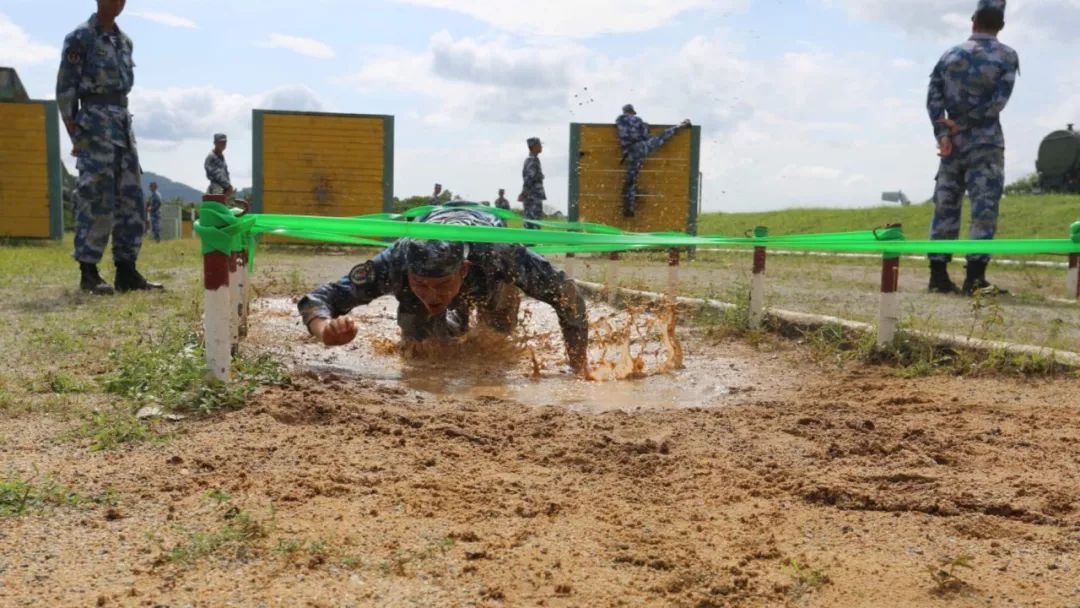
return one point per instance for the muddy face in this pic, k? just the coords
(437, 292)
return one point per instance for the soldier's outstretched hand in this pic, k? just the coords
(336, 332)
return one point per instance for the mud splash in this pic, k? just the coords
(637, 359)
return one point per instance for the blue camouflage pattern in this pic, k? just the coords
(971, 85)
(502, 202)
(155, 215)
(108, 196)
(979, 170)
(217, 171)
(637, 146)
(532, 190)
(497, 271)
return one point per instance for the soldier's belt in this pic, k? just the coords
(111, 99)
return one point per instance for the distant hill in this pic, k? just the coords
(169, 189)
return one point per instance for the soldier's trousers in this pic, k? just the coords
(499, 312)
(635, 158)
(534, 210)
(981, 172)
(108, 201)
(155, 224)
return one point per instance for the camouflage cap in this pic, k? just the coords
(220, 137)
(533, 141)
(991, 5)
(434, 259)
(629, 109)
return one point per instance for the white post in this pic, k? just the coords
(673, 273)
(217, 314)
(570, 266)
(757, 281)
(613, 278)
(889, 314)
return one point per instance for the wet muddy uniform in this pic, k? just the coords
(497, 272)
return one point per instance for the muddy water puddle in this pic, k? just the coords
(528, 367)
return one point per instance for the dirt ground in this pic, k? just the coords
(788, 483)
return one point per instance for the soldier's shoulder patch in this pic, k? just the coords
(360, 273)
(74, 56)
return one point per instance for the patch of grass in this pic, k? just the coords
(19, 496)
(804, 578)
(219, 496)
(236, 537)
(57, 382)
(945, 578)
(171, 372)
(112, 429)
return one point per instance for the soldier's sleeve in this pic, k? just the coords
(535, 276)
(991, 107)
(67, 81)
(215, 172)
(364, 283)
(935, 101)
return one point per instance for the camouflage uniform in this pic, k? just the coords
(155, 215)
(217, 171)
(636, 147)
(532, 189)
(502, 203)
(96, 74)
(497, 272)
(971, 85)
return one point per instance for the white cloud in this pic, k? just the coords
(176, 114)
(809, 172)
(163, 18)
(579, 18)
(902, 63)
(19, 50)
(1026, 20)
(307, 47)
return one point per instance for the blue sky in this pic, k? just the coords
(802, 102)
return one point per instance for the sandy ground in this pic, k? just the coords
(372, 481)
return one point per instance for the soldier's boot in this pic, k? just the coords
(976, 283)
(91, 281)
(129, 279)
(939, 279)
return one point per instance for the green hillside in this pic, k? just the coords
(1022, 216)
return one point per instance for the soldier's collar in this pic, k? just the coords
(982, 36)
(96, 26)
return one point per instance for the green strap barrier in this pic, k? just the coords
(222, 230)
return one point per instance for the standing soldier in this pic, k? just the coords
(969, 88)
(217, 170)
(436, 196)
(155, 211)
(501, 202)
(532, 189)
(96, 74)
(636, 147)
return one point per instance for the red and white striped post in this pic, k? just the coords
(674, 257)
(889, 311)
(1073, 279)
(217, 311)
(757, 281)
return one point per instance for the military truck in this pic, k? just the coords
(1058, 163)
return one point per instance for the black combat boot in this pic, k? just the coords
(129, 279)
(91, 282)
(939, 279)
(976, 282)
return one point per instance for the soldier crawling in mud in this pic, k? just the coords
(437, 283)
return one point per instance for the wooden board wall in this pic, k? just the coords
(667, 184)
(31, 203)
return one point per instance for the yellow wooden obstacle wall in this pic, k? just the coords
(31, 203)
(667, 184)
(323, 164)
